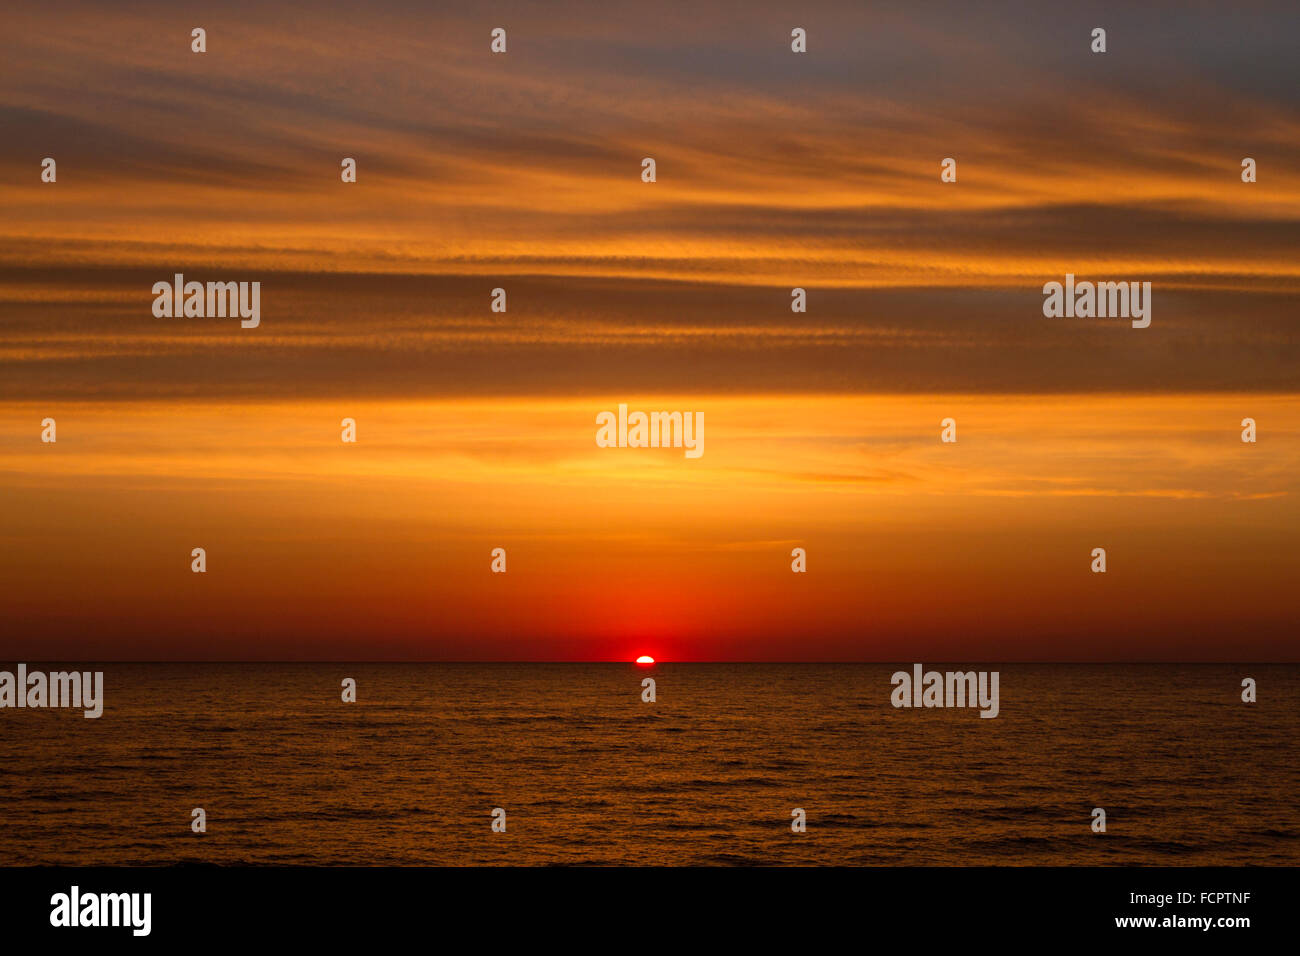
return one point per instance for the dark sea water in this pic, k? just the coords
(708, 774)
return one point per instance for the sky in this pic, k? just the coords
(476, 428)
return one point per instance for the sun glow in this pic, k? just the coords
(645, 659)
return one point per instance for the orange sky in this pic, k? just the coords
(381, 549)
(477, 428)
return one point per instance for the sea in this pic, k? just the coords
(711, 773)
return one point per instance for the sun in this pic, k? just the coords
(645, 659)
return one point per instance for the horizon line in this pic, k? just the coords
(1072, 663)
